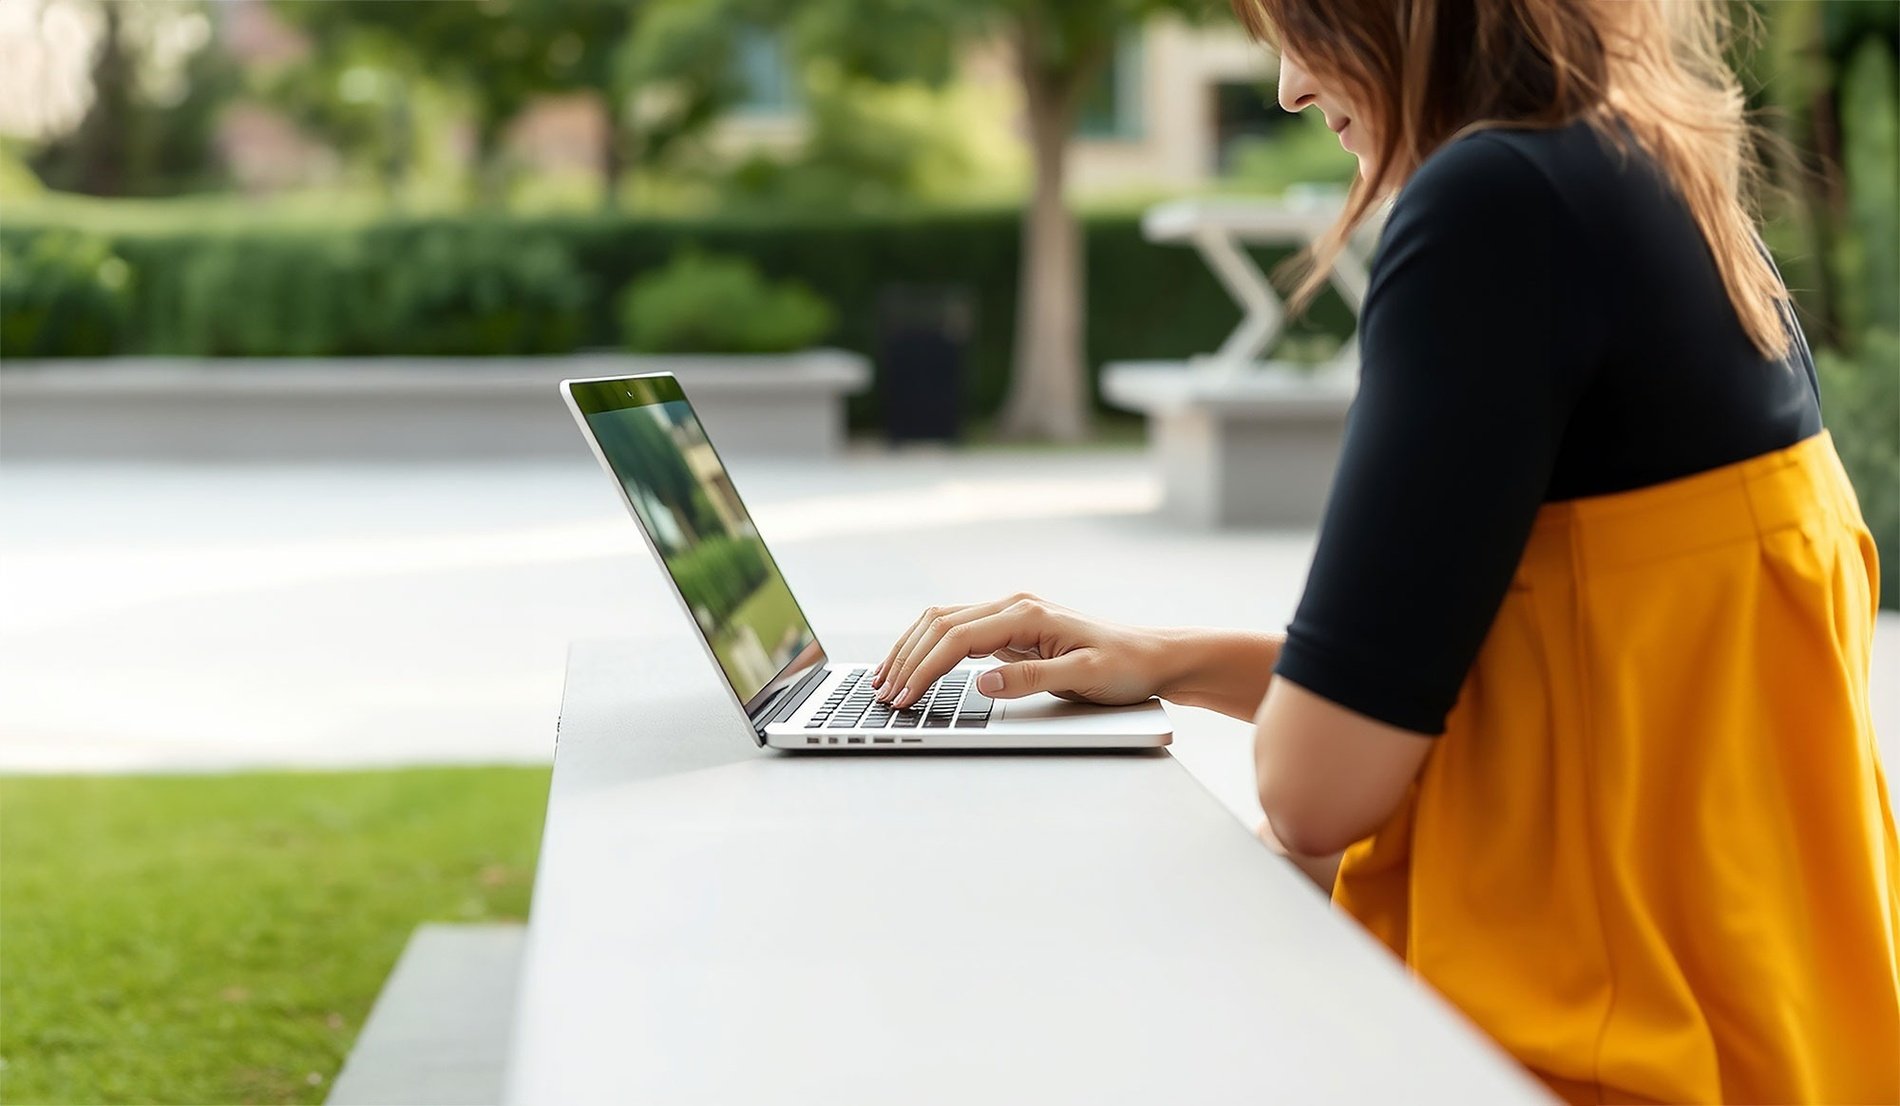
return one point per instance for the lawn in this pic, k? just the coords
(220, 939)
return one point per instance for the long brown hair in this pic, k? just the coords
(1429, 70)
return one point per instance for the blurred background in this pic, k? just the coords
(238, 238)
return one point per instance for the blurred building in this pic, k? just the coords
(1173, 100)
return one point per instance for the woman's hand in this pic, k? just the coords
(1045, 647)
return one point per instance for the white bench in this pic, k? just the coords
(438, 1034)
(713, 922)
(396, 408)
(1250, 449)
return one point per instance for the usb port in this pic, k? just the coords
(913, 741)
(854, 741)
(882, 740)
(814, 740)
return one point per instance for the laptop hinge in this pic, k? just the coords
(781, 706)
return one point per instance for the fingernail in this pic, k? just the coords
(990, 682)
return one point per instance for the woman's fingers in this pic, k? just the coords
(924, 637)
(967, 637)
(903, 642)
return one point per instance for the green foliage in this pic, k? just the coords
(1861, 402)
(719, 574)
(680, 66)
(482, 290)
(17, 181)
(356, 90)
(62, 294)
(289, 295)
(425, 289)
(1868, 256)
(874, 146)
(1144, 300)
(501, 53)
(705, 304)
(221, 938)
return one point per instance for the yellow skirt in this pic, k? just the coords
(1653, 855)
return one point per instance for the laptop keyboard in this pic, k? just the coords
(951, 701)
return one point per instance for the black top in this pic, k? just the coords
(1544, 322)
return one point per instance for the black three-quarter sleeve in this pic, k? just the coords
(1479, 322)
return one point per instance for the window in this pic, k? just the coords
(764, 74)
(1113, 108)
(1245, 112)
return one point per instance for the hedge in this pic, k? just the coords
(530, 285)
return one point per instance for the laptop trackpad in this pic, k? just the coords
(1045, 712)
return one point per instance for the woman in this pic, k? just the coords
(1573, 711)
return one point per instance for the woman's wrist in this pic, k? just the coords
(1222, 670)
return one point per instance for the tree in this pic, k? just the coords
(158, 81)
(1796, 70)
(355, 89)
(1060, 48)
(500, 54)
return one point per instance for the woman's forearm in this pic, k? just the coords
(1228, 671)
(1222, 670)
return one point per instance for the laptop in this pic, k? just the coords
(644, 433)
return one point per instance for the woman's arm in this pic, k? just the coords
(1322, 870)
(1222, 670)
(1326, 774)
(1482, 324)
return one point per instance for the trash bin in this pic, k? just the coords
(923, 337)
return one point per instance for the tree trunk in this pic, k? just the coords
(1048, 388)
(104, 141)
(613, 154)
(491, 173)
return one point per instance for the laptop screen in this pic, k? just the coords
(679, 489)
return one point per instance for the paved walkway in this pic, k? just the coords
(207, 618)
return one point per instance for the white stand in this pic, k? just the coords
(1240, 440)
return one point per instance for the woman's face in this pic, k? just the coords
(1300, 90)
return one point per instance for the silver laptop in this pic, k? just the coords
(667, 473)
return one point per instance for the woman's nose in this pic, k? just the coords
(1297, 89)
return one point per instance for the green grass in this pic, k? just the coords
(217, 939)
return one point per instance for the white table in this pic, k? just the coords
(715, 923)
(1219, 229)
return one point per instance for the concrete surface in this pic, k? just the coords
(209, 617)
(714, 923)
(439, 1032)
